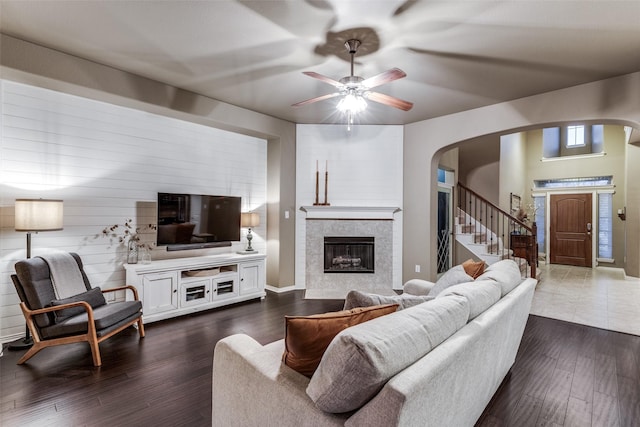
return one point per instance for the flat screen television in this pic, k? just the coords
(188, 221)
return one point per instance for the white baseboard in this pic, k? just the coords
(280, 290)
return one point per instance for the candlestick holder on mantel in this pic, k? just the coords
(326, 182)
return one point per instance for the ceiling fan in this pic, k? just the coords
(355, 89)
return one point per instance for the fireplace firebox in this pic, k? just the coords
(349, 254)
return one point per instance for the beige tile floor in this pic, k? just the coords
(600, 297)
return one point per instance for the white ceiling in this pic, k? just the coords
(458, 55)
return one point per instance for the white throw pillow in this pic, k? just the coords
(454, 276)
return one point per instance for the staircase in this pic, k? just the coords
(492, 234)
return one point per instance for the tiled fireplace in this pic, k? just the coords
(348, 254)
(349, 248)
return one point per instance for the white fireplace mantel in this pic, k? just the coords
(350, 212)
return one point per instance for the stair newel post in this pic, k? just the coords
(470, 210)
(475, 214)
(534, 247)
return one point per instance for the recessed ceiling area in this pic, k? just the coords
(458, 55)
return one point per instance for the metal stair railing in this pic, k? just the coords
(505, 235)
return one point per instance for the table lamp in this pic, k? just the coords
(249, 219)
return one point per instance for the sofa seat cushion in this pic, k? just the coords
(307, 337)
(93, 297)
(104, 316)
(453, 276)
(361, 359)
(506, 273)
(363, 299)
(480, 294)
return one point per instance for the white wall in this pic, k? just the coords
(513, 170)
(365, 169)
(108, 163)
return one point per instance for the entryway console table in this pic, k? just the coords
(174, 287)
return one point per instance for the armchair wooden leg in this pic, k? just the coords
(140, 328)
(95, 351)
(36, 347)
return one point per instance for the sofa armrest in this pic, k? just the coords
(251, 387)
(418, 287)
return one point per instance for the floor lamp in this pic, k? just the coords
(32, 216)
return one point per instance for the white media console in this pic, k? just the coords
(174, 287)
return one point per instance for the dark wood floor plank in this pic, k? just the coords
(578, 413)
(605, 411)
(542, 375)
(554, 406)
(583, 379)
(527, 412)
(629, 401)
(605, 375)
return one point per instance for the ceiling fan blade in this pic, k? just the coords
(390, 101)
(316, 99)
(323, 78)
(385, 77)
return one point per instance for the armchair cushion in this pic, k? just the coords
(104, 316)
(93, 297)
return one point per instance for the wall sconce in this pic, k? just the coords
(249, 220)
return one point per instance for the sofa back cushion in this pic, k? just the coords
(453, 276)
(307, 337)
(361, 359)
(363, 299)
(480, 294)
(506, 273)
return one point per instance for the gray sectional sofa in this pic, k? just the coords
(437, 363)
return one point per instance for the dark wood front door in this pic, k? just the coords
(570, 229)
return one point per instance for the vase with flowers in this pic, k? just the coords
(132, 238)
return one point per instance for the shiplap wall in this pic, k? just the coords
(108, 163)
(365, 169)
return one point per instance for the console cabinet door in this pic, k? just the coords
(160, 292)
(251, 277)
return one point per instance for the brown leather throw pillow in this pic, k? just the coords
(307, 337)
(473, 268)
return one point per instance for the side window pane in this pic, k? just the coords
(539, 207)
(550, 142)
(605, 225)
(597, 138)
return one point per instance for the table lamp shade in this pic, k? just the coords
(38, 215)
(250, 219)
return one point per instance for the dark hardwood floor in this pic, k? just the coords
(565, 374)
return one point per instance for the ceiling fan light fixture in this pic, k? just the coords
(352, 103)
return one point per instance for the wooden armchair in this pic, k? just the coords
(84, 317)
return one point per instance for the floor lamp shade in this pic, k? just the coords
(38, 215)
